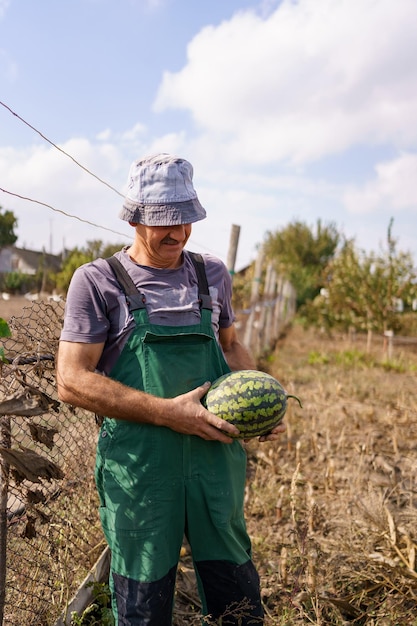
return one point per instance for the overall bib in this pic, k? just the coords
(156, 485)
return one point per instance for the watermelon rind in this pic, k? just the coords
(252, 400)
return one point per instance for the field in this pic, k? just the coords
(332, 509)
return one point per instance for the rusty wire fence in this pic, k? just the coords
(50, 534)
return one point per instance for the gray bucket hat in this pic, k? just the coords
(161, 193)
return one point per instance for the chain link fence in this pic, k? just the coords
(50, 534)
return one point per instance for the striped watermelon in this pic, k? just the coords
(253, 401)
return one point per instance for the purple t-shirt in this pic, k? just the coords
(96, 309)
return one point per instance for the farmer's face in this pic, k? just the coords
(160, 246)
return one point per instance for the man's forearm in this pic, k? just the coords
(239, 358)
(105, 396)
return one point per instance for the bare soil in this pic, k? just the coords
(13, 306)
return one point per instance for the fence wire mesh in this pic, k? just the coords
(50, 534)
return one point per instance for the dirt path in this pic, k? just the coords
(12, 306)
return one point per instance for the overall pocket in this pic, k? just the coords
(176, 364)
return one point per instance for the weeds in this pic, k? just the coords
(340, 545)
(356, 358)
(98, 613)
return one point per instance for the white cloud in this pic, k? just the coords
(104, 135)
(257, 201)
(44, 175)
(270, 91)
(394, 186)
(134, 133)
(311, 79)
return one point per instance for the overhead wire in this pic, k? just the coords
(54, 145)
(60, 149)
(80, 219)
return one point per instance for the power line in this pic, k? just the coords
(54, 145)
(80, 219)
(60, 149)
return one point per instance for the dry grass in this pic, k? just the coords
(332, 508)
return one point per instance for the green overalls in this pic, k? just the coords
(157, 485)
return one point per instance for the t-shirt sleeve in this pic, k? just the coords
(227, 316)
(219, 277)
(85, 319)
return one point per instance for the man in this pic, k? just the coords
(143, 356)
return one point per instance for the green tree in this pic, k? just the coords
(78, 256)
(17, 282)
(362, 290)
(8, 223)
(301, 253)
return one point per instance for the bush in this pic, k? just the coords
(17, 282)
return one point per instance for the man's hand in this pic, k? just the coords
(188, 416)
(275, 433)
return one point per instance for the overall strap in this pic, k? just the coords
(203, 288)
(134, 298)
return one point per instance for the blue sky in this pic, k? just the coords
(288, 110)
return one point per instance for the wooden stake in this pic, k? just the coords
(233, 243)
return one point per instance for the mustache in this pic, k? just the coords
(169, 239)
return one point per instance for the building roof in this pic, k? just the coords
(12, 258)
